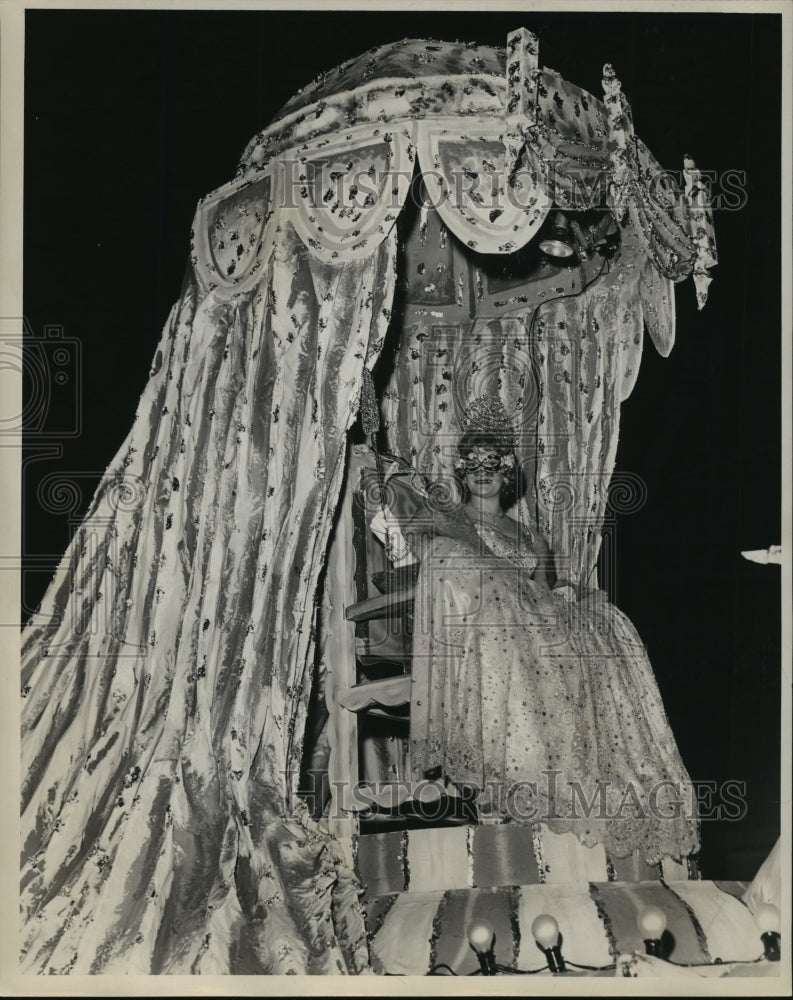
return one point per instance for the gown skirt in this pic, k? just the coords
(547, 709)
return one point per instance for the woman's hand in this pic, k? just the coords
(566, 591)
(386, 528)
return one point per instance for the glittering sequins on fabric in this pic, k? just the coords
(370, 411)
(548, 709)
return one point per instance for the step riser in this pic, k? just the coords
(466, 857)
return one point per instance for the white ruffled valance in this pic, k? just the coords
(468, 178)
(496, 154)
(343, 195)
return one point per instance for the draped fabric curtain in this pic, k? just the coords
(589, 351)
(561, 364)
(166, 676)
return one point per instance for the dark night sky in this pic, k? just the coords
(132, 116)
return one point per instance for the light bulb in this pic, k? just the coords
(767, 918)
(546, 931)
(480, 936)
(557, 242)
(652, 922)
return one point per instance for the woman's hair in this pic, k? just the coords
(513, 487)
(483, 439)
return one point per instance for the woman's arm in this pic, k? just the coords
(546, 572)
(427, 524)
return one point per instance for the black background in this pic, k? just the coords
(132, 116)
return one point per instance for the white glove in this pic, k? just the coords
(566, 591)
(386, 528)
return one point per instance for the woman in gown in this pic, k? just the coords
(540, 699)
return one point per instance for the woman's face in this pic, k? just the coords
(483, 475)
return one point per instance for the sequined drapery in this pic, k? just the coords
(478, 113)
(561, 348)
(167, 673)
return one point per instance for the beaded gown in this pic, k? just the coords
(548, 709)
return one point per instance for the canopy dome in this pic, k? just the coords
(398, 63)
(499, 140)
(425, 79)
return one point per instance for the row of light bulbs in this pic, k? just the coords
(651, 921)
